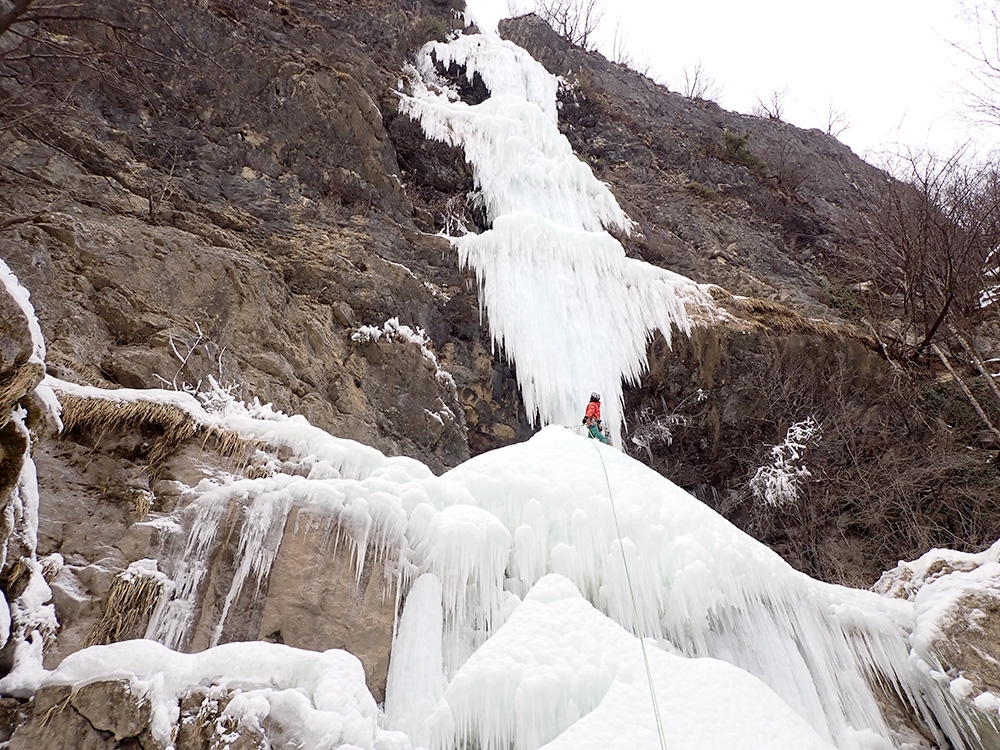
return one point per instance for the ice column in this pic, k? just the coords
(564, 303)
(416, 678)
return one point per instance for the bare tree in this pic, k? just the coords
(517, 8)
(698, 84)
(574, 20)
(11, 12)
(928, 260)
(984, 53)
(773, 108)
(621, 52)
(837, 121)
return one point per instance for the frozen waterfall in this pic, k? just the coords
(521, 628)
(563, 302)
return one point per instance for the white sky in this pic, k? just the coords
(887, 64)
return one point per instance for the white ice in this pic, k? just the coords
(574, 315)
(952, 592)
(416, 679)
(559, 674)
(30, 618)
(564, 303)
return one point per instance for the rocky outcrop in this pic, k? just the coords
(108, 715)
(957, 598)
(312, 595)
(249, 238)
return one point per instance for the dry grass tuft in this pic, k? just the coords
(18, 385)
(174, 424)
(130, 603)
(774, 317)
(144, 501)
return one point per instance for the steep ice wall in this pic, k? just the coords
(564, 303)
(416, 676)
(559, 674)
(698, 582)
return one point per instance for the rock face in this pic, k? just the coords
(244, 219)
(957, 599)
(312, 597)
(108, 715)
(249, 238)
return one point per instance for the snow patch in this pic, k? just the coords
(22, 297)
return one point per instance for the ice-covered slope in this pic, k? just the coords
(493, 528)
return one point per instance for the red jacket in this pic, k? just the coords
(593, 410)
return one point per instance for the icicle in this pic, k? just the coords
(260, 540)
(416, 678)
(171, 620)
(467, 549)
(31, 616)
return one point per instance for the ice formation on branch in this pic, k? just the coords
(779, 482)
(564, 303)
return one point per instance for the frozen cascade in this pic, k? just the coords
(563, 301)
(260, 537)
(176, 610)
(700, 584)
(416, 678)
(559, 674)
(392, 510)
(371, 518)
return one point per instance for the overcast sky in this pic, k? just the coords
(888, 65)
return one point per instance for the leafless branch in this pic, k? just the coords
(574, 20)
(699, 85)
(773, 108)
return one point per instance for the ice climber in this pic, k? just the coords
(592, 418)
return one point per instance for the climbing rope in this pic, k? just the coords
(635, 607)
